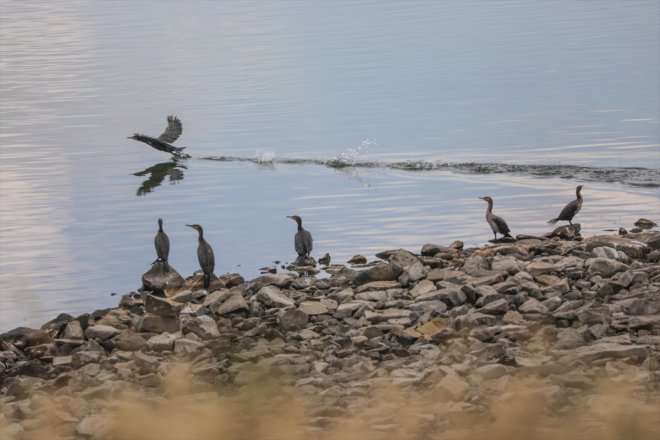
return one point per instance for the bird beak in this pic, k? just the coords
(289, 216)
(190, 226)
(482, 198)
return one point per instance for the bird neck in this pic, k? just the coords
(578, 195)
(201, 236)
(300, 228)
(490, 207)
(160, 227)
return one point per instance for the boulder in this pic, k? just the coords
(271, 296)
(605, 266)
(379, 272)
(292, 320)
(158, 281)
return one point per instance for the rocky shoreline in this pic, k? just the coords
(544, 337)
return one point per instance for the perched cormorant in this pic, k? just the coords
(571, 209)
(497, 224)
(162, 244)
(204, 255)
(303, 239)
(164, 141)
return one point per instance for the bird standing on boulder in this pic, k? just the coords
(302, 240)
(497, 224)
(204, 255)
(162, 244)
(165, 140)
(571, 209)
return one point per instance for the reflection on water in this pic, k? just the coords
(157, 173)
(455, 91)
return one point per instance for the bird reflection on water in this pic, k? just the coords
(157, 174)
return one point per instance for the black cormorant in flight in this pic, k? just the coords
(165, 140)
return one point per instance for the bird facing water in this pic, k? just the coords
(204, 255)
(162, 244)
(497, 224)
(571, 209)
(302, 240)
(165, 140)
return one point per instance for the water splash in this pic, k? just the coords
(352, 156)
(264, 156)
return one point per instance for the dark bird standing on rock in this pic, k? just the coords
(571, 209)
(165, 140)
(497, 224)
(303, 239)
(204, 255)
(162, 244)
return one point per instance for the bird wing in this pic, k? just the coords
(308, 241)
(501, 225)
(162, 243)
(569, 211)
(299, 244)
(173, 130)
(206, 258)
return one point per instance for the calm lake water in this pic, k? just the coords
(380, 123)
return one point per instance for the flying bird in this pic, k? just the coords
(497, 224)
(165, 140)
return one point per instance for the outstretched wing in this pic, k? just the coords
(173, 130)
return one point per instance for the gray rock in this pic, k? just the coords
(497, 307)
(372, 295)
(509, 265)
(278, 280)
(96, 427)
(157, 324)
(185, 347)
(233, 303)
(292, 320)
(386, 315)
(492, 371)
(129, 341)
(203, 326)
(146, 363)
(162, 342)
(607, 350)
(424, 286)
(161, 306)
(273, 297)
(83, 357)
(537, 267)
(73, 330)
(569, 338)
(415, 272)
(605, 266)
(474, 264)
(313, 308)
(102, 332)
(379, 272)
(160, 282)
(533, 305)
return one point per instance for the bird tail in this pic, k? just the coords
(207, 280)
(508, 234)
(554, 220)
